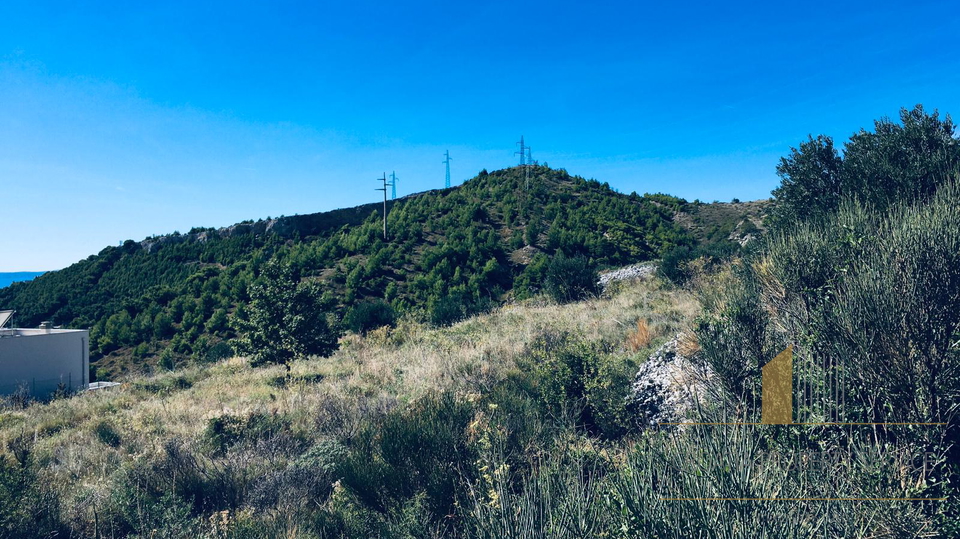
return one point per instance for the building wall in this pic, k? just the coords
(40, 361)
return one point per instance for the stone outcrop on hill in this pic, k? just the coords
(628, 273)
(668, 386)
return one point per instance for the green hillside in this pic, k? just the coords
(450, 253)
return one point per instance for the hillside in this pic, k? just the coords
(450, 253)
(504, 425)
(722, 221)
(169, 452)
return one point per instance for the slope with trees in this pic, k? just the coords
(449, 254)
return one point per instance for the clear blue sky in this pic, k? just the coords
(119, 121)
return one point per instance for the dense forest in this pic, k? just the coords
(449, 254)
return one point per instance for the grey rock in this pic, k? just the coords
(627, 273)
(668, 386)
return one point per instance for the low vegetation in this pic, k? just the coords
(397, 434)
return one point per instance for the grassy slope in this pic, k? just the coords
(383, 370)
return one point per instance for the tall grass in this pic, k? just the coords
(337, 447)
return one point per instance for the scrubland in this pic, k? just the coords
(88, 456)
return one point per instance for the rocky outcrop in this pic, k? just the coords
(668, 386)
(152, 244)
(285, 227)
(627, 273)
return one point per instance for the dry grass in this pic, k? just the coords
(366, 376)
(639, 338)
(688, 345)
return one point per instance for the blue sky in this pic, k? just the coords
(121, 121)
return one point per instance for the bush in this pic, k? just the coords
(418, 450)
(905, 161)
(307, 482)
(224, 432)
(447, 310)
(218, 352)
(286, 319)
(871, 300)
(570, 279)
(582, 382)
(29, 507)
(706, 462)
(368, 315)
(680, 264)
(106, 433)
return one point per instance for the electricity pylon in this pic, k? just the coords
(384, 189)
(393, 182)
(447, 162)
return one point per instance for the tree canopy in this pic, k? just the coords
(908, 160)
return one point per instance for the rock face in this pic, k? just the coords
(668, 386)
(627, 273)
(286, 227)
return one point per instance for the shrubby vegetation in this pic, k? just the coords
(570, 279)
(906, 161)
(286, 319)
(450, 255)
(682, 263)
(365, 443)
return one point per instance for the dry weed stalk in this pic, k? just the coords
(688, 345)
(639, 338)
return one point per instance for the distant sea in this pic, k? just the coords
(6, 279)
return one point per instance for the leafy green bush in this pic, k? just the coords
(226, 431)
(583, 382)
(286, 319)
(570, 279)
(107, 433)
(447, 310)
(906, 161)
(368, 315)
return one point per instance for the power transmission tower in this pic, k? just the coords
(525, 160)
(384, 189)
(526, 168)
(522, 152)
(393, 182)
(447, 162)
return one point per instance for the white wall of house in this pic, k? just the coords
(39, 360)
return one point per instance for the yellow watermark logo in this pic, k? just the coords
(777, 389)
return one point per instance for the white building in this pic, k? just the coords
(39, 361)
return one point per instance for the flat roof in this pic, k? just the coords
(36, 332)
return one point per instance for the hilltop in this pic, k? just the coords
(450, 253)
